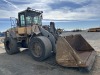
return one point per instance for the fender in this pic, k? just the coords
(10, 33)
(50, 37)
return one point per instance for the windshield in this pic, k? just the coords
(34, 20)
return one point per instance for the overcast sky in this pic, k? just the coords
(77, 13)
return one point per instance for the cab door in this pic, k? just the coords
(22, 27)
(28, 24)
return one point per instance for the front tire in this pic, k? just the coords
(11, 46)
(40, 47)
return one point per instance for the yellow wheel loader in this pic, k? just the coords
(42, 41)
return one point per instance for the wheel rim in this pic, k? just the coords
(37, 51)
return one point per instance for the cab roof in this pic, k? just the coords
(31, 10)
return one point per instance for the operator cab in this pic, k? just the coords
(29, 17)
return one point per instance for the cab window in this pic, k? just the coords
(28, 20)
(37, 20)
(22, 20)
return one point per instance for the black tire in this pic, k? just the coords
(40, 48)
(11, 46)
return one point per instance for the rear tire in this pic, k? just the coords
(11, 46)
(40, 48)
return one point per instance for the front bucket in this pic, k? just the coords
(74, 51)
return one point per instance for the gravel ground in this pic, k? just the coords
(23, 64)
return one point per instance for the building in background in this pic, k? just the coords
(94, 29)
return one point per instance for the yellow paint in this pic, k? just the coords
(21, 30)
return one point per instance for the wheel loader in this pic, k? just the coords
(43, 40)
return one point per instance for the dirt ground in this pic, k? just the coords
(23, 64)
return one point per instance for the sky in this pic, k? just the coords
(67, 14)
